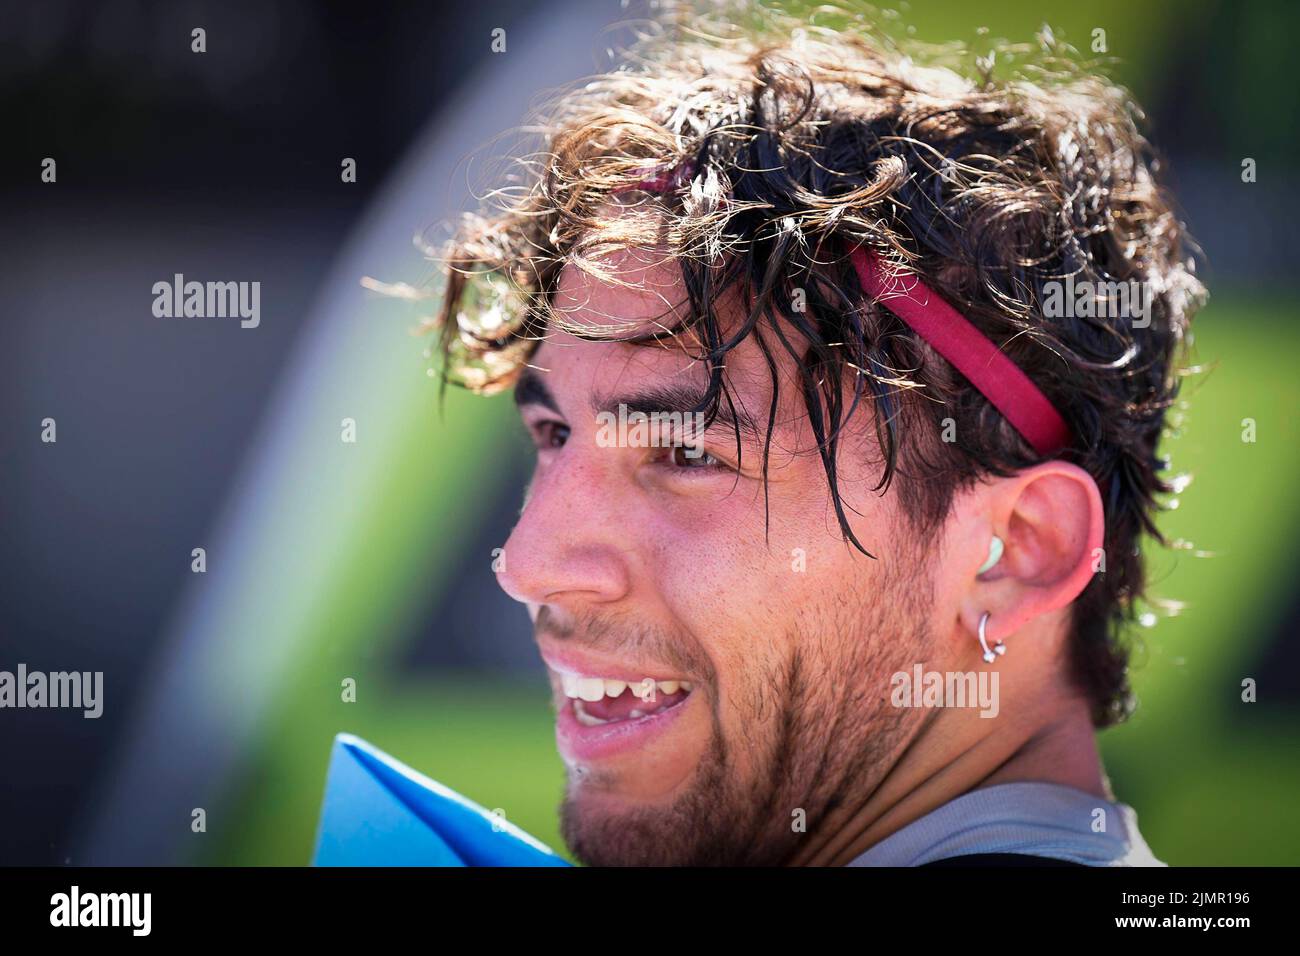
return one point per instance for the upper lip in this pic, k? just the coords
(587, 664)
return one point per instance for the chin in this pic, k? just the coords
(605, 831)
(707, 821)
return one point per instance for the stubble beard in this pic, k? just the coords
(823, 733)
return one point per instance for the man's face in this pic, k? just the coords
(720, 680)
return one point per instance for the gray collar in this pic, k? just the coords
(1038, 819)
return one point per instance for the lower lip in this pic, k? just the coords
(578, 742)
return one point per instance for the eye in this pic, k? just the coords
(548, 435)
(689, 459)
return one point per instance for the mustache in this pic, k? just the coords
(610, 633)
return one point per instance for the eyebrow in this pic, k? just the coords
(679, 399)
(531, 389)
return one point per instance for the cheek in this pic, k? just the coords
(729, 574)
(740, 597)
(756, 594)
(713, 571)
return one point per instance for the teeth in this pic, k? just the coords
(592, 689)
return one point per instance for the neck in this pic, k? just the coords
(954, 753)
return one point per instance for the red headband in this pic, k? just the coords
(994, 375)
(985, 366)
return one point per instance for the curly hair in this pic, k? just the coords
(776, 147)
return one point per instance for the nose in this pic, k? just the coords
(568, 546)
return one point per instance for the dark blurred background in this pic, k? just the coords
(372, 561)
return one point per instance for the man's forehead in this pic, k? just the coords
(659, 376)
(574, 370)
(665, 375)
(652, 300)
(641, 287)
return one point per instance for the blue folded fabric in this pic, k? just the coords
(379, 812)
